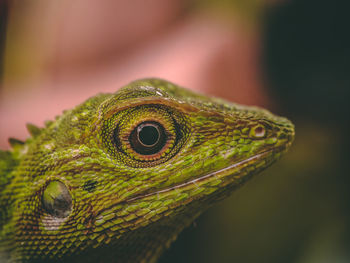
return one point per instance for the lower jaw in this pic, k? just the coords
(236, 173)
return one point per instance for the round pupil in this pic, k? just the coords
(148, 134)
(148, 138)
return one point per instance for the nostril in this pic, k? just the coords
(259, 131)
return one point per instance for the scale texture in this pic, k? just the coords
(117, 178)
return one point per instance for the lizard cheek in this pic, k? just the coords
(56, 199)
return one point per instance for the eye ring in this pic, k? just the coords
(148, 138)
(148, 134)
(119, 137)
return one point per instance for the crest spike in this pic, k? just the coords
(15, 142)
(33, 129)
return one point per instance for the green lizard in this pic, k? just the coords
(117, 178)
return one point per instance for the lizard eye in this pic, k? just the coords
(145, 135)
(148, 138)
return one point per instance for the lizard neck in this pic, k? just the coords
(145, 244)
(7, 163)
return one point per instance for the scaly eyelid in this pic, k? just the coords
(112, 106)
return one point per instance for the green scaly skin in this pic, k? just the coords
(81, 190)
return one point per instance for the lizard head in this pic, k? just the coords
(131, 169)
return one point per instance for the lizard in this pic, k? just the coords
(117, 178)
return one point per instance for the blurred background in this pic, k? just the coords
(290, 56)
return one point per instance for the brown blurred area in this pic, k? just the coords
(60, 53)
(291, 56)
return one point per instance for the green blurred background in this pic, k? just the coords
(292, 57)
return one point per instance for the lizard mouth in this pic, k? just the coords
(262, 159)
(229, 177)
